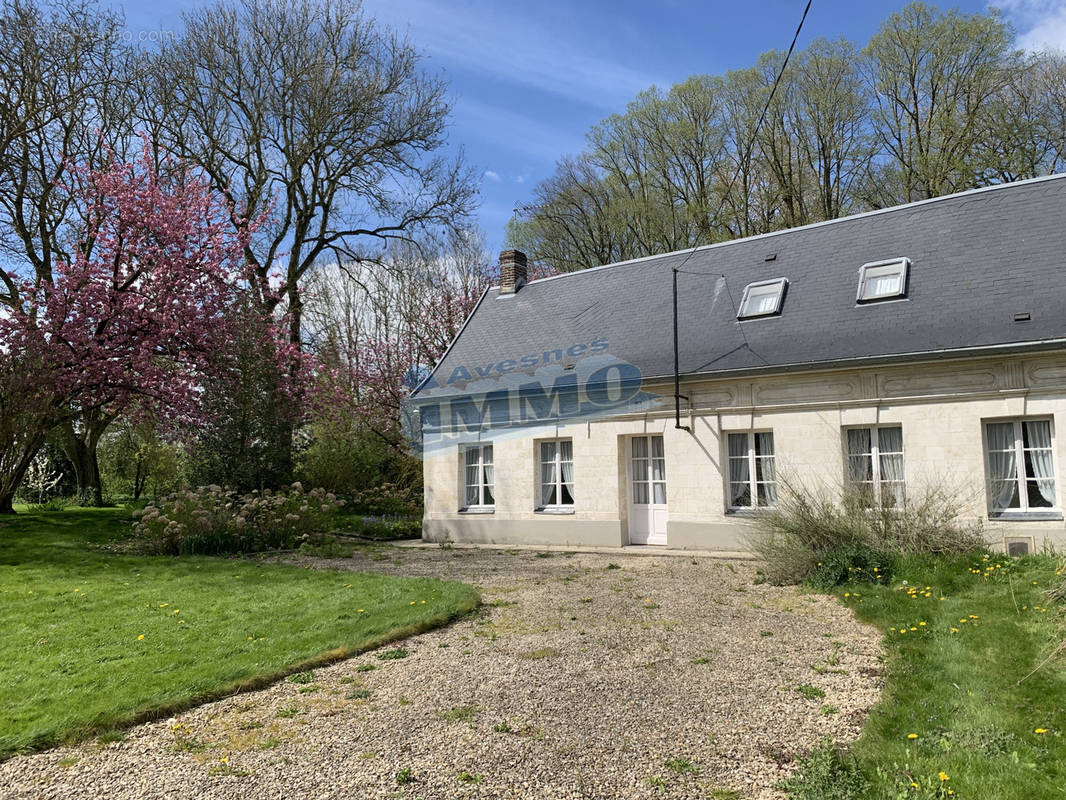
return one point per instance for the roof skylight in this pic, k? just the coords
(883, 280)
(762, 299)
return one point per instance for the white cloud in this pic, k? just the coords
(521, 48)
(492, 175)
(1041, 24)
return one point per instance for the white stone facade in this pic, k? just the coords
(942, 407)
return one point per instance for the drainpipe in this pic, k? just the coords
(677, 374)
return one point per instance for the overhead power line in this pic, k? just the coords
(758, 125)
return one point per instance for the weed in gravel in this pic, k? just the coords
(347, 679)
(459, 714)
(470, 777)
(681, 766)
(828, 773)
(519, 729)
(250, 725)
(724, 794)
(189, 744)
(828, 710)
(392, 655)
(269, 743)
(109, 737)
(766, 633)
(288, 712)
(502, 727)
(405, 776)
(366, 668)
(810, 692)
(357, 694)
(612, 566)
(657, 782)
(443, 645)
(301, 677)
(310, 689)
(701, 660)
(402, 701)
(69, 761)
(544, 555)
(537, 655)
(223, 769)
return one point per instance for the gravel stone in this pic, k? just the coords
(575, 680)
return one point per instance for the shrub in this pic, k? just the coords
(212, 520)
(388, 499)
(384, 527)
(813, 536)
(827, 773)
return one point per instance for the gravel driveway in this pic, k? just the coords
(584, 676)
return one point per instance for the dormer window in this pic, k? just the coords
(762, 299)
(883, 280)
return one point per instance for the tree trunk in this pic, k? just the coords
(7, 499)
(80, 448)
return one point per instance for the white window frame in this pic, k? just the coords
(782, 286)
(904, 268)
(558, 462)
(481, 505)
(1020, 475)
(875, 457)
(753, 482)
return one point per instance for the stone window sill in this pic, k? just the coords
(556, 510)
(478, 510)
(1025, 516)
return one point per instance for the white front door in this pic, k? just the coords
(647, 490)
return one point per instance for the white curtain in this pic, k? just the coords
(1002, 464)
(472, 481)
(547, 473)
(860, 459)
(765, 469)
(486, 451)
(566, 465)
(1037, 441)
(890, 447)
(739, 476)
(883, 284)
(658, 470)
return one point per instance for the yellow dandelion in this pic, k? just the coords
(1040, 730)
(412, 603)
(164, 605)
(943, 776)
(176, 611)
(914, 784)
(921, 624)
(140, 638)
(362, 610)
(912, 736)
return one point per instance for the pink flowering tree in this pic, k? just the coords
(128, 322)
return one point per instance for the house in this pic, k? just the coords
(916, 345)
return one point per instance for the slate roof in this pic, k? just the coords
(977, 259)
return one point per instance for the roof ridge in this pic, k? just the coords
(808, 226)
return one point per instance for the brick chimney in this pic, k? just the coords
(513, 271)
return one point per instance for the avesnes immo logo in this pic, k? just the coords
(558, 386)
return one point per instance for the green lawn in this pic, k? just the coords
(91, 639)
(959, 717)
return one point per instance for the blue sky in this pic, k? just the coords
(529, 79)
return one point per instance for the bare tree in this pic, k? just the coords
(932, 76)
(311, 112)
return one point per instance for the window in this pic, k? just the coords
(883, 280)
(751, 470)
(648, 466)
(557, 474)
(477, 472)
(875, 464)
(762, 299)
(1021, 471)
